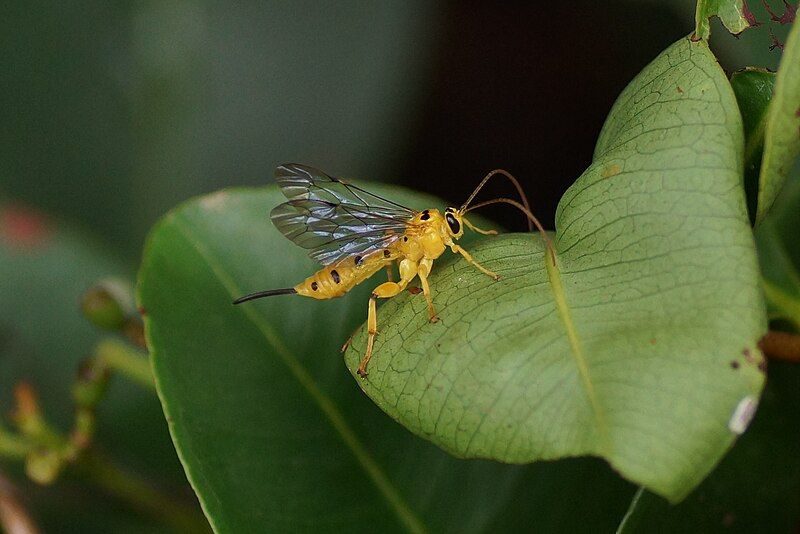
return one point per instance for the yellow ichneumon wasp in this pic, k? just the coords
(355, 233)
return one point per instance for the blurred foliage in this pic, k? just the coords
(112, 113)
(43, 338)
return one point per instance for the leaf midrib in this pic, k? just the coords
(560, 299)
(328, 408)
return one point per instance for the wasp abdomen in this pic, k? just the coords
(337, 279)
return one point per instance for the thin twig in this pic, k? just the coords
(126, 360)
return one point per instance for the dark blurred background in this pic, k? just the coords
(113, 112)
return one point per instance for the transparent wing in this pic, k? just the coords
(334, 219)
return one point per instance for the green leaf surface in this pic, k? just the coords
(755, 487)
(734, 14)
(782, 133)
(753, 89)
(45, 268)
(623, 348)
(272, 431)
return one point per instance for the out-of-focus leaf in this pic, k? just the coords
(44, 271)
(144, 104)
(779, 256)
(623, 348)
(271, 430)
(782, 132)
(753, 89)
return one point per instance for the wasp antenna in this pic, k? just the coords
(267, 293)
(531, 218)
(513, 180)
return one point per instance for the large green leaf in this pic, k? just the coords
(45, 268)
(755, 486)
(640, 344)
(782, 133)
(272, 431)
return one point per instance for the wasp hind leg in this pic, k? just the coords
(408, 270)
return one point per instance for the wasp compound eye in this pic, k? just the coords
(453, 223)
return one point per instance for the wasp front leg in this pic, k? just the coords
(476, 229)
(408, 270)
(424, 269)
(469, 258)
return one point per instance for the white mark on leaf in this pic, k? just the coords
(743, 414)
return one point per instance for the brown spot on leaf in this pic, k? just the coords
(797, 112)
(680, 90)
(23, 228)
(734, 364)
(142, 311)
(652, 341)
(611, 170)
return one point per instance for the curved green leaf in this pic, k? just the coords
(780, 257)
(272, 432)
(753, 89)
(782, 133)
(639, 345)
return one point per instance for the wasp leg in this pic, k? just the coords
(425, 266)
(408, 270)
(389, 273)
(468, 257)
(476, 229)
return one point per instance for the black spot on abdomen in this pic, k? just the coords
(335, 276)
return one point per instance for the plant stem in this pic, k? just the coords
(120, 357)
(140, 494)
(781, 346)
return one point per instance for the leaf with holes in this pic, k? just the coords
(734, 14)
(639, 344)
